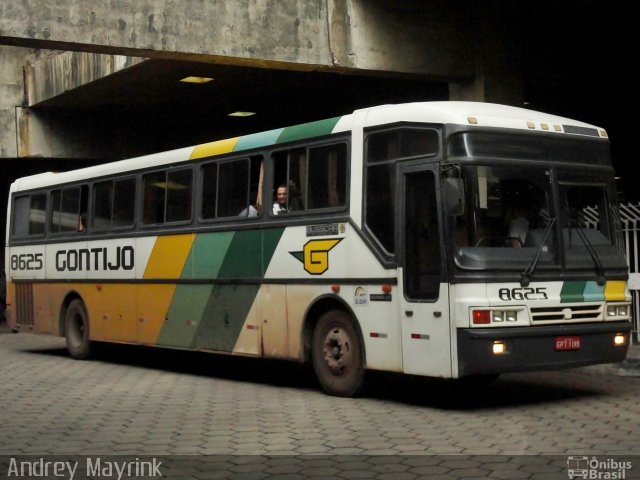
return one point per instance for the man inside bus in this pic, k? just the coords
(280, 205)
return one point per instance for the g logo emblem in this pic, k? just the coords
(315, 255)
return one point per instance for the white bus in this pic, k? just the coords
(442, 239)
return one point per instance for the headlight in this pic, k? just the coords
(617, 311)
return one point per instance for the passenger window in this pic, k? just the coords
(232, 189)
(167, 197)
(113, 205)
(310, 178)
(29, 213)
(69, 210)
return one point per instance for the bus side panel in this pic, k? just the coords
(219, 298)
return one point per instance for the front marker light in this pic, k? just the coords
(619, 340)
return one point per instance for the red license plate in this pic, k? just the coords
(567, 343)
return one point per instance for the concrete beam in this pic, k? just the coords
(60, 72)
(423, 38)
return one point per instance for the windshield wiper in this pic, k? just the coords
(525, 277)
(592, 253)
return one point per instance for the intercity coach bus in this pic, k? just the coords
(443, 239)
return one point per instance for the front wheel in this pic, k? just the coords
(337, 354)
(76, 330)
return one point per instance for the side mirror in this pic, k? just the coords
(454, 196)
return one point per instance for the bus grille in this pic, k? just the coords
(568, 313)
(24, 304)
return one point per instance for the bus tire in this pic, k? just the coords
(336, 354)
(76, 330)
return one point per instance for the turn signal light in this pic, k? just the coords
(481, 317)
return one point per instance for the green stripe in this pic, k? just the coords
(211, 316)
(257, 140)
(572, 292)
(185, 312)
(248, 256)
(308, 130)
(207, 254)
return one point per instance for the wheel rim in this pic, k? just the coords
(338, 355)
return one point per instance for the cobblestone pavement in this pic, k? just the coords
(243, 418)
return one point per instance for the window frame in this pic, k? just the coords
(247, 157)
(308, 146)
(62, 188)
(390, 259)
(30, 195)
(140, 214)
(92, 197)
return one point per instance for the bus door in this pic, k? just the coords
(424, 296)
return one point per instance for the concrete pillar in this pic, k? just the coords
(498, 62)
(11, 95)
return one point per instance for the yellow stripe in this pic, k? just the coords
(169, 256)
(214, 148)
(615, 291)
(167, 260)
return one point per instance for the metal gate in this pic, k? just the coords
(630, 220)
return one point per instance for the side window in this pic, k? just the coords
(232, 189)
(113, 205)
(167, 196)
(29, 213)
(68, 211)
(310, 178)
(383, 150)
(179, 195)
(381, 202)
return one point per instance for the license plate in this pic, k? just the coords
(567, 343)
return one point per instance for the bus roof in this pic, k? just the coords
(444, 112)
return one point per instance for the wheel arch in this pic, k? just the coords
(320, 306)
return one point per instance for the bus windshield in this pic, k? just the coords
(515, 214)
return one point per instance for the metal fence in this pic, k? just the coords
(630, 219)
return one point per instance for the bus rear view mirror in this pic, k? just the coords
(454, 196)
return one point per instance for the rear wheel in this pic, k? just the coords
(337, 354)
(76, 330)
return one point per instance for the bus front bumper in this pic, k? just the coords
(549, 347)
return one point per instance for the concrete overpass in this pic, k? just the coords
(101, 80)
(88, 82)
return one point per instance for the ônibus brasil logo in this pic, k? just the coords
(597, 469)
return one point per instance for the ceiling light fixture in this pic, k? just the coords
(241, 114)
(199, 80)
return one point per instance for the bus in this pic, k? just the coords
(441, 239)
